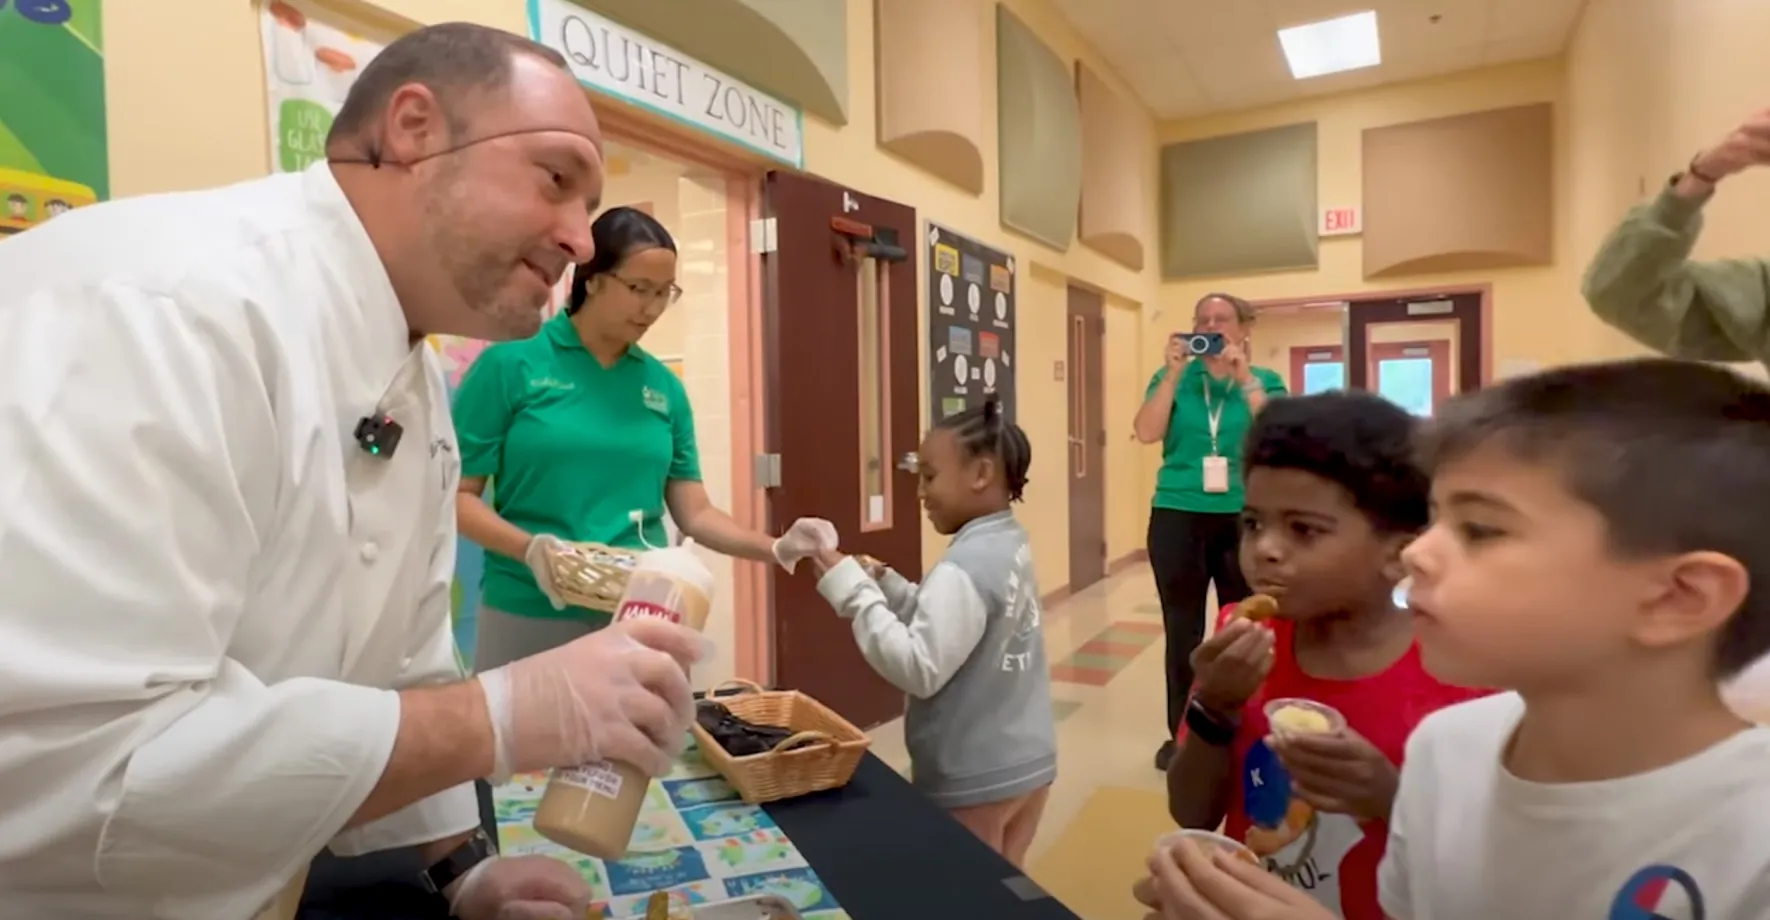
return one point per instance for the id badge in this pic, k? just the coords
(1216, 474)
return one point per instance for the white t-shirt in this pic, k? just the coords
(1749, 693)
(1469, 841)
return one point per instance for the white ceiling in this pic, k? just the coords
(1193, 57)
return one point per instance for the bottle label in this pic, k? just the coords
(632, 609)
(598, 777)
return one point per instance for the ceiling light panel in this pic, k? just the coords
(1332, 45)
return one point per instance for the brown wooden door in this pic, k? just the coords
(1463, 311)
(1087, 440)
(840, 369)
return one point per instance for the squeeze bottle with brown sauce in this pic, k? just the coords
(592, 808)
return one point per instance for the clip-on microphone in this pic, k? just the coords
(378, 435)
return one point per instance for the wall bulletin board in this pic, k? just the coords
(970, 324)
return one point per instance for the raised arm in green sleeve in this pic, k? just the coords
(1644, 283)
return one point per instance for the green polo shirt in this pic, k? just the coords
(572, 449)
(1180, 484)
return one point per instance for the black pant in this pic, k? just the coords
(1188, 551)
(382, 885)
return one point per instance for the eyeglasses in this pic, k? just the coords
(648, 292)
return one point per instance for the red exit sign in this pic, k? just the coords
(1341, 222)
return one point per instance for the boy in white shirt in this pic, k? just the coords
(1598, 531)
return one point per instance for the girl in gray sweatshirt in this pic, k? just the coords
(966, 643)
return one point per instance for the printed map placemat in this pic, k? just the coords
(695, 838)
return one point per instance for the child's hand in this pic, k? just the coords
(826, 559)
(1186, 883)
(1231, 665)
(1340, 772)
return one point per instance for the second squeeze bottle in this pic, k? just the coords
(592, 808)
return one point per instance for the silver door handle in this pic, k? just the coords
(1075, 440)
(909, 462)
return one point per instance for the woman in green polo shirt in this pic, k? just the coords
(587, 438)
(1199, 410)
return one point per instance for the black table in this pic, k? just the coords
(884, 851)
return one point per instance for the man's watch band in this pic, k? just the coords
(461, 860)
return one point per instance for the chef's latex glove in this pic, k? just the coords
(539, 557)
(521, 888)
(806, 538)
(618, 694)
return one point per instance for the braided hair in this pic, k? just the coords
(983, 432)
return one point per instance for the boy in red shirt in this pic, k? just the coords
(1333, 495)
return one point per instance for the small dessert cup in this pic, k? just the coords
(1291, 716)
(1207, 841)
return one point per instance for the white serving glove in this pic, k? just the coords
(539, 557)
(806, 538)
(619, 694)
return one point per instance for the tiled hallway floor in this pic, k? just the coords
(1105, 646)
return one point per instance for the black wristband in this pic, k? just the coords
(446, 871)
(1696, 174)
(1211, 728)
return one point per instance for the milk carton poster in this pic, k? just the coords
(312, 55)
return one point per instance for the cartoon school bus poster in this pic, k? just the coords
(53, 154)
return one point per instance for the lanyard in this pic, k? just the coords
(1215, 416)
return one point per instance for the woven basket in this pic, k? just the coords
(592, 575)
(822, 754)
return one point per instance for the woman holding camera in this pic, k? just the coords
(1198, 407)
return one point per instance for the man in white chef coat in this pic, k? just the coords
(227, 475)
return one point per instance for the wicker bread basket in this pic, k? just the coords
(592, 575)
(822, 754)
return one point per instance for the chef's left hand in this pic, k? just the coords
(1340, 772)
(521, 888)
(804, 540)
(1187, 883)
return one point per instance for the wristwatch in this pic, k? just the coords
(446, 871)
(1212, 728)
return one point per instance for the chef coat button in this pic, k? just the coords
(370, 552)
(405, 664)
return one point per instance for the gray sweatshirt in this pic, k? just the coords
(967, 647)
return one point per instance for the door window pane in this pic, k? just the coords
(875, 448)
(1322, 376)
(1407, 382)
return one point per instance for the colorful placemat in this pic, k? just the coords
(695, 839)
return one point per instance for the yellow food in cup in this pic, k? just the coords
(1300, 720)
